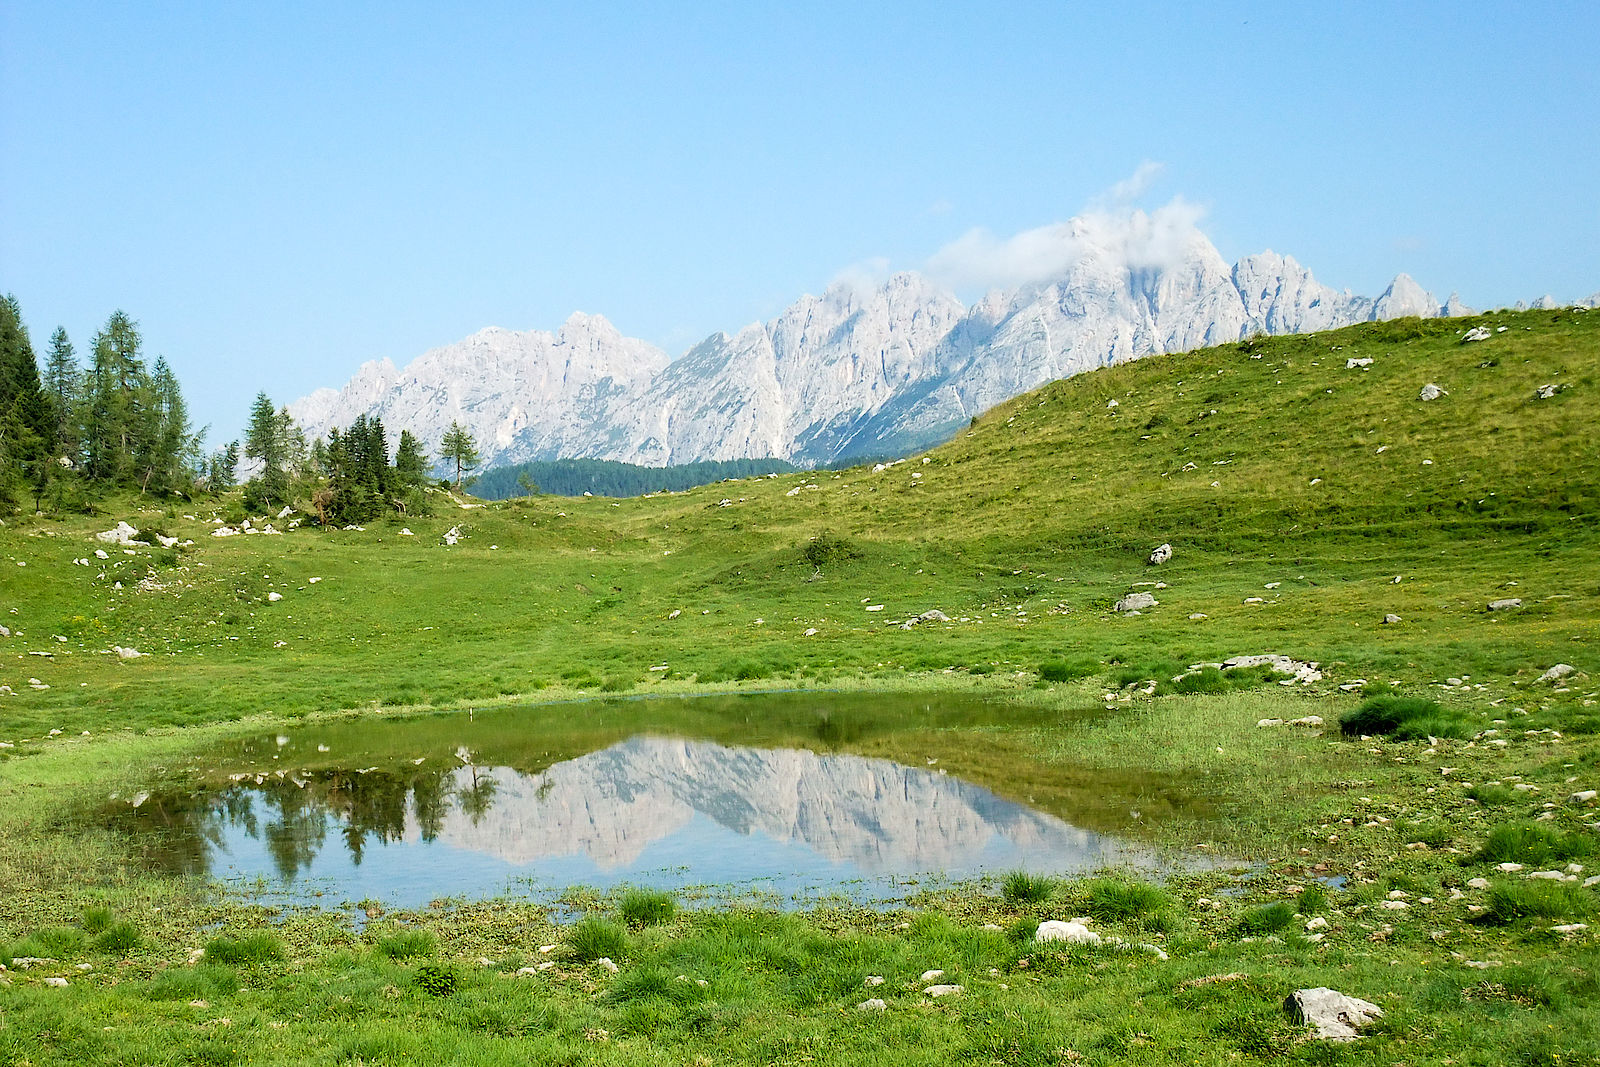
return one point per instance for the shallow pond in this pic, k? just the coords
(789, 796)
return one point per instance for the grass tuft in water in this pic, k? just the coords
(1020, 887)
(646, 907)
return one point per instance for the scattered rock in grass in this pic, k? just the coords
(1506, 604)
(126, 653)
(1269, 722)
(120, 534)
(1390, 619)
(1555, 674)
(1547, 391)
(932, 615)
(57, 982)
(1135, 602)
(1073, 933)
(1307, 720)
(1477, 883)
(873, 980)
(930, 976)
(1334, 1016)
(1393, 905)
(1359, 361)
(274, 597)
(872, 1004)
(1583, 796)
(944, 990)
(1303, 672)
(1197, 616)
(1316, 923)
(608, 964)
(1508, 867)
(1161, 554)
(1477, 333)
(1431, 392)
(1570, 928)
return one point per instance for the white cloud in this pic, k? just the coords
(863, 276)
(1131, 188)
(1122, 236)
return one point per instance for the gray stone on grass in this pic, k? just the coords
(1135, 602)
(933, 615)
(1334, 1016)
(1390, 619)
(1555, 674)
(1506, 604)
(872, 1004)
(1477, 333)
(1431, 392)
(1161, 554)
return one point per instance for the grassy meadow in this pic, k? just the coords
(1305, 500)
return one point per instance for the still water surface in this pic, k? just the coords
(788, 796)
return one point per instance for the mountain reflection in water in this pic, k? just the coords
(650, 810)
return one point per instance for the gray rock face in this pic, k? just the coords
(1135, 602)
(857, 370)
(1334, 1016)
(1477, 333)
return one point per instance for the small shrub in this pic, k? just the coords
(1265, 919)
(1532, 843)
(592, 938)
(1535, 898)
(251, 948)
(406, 945)
(436, 979)
(616, 684)
(96, 919)
(652, 983)
(646, 907)
(118, 939)
(825, 550)
(1020, 887)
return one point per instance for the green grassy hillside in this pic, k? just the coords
(1304, 499)
(1328, 481)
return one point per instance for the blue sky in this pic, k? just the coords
(278, 192)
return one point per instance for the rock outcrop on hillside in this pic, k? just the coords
(859, 370)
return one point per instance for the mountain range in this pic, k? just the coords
(862, 370)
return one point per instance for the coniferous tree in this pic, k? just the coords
(269, 440)
(63, 384)
(25, 415)
(221, 469)
(459, 448)
(115, 419)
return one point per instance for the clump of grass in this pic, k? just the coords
(193, 983)
(1062, 670)
(436, 979)
(1265, 919)
(96, 919)
(58, 942)
(1532, 843)
(646, 907)
(653, 983)
(1492, 796)
(1312, 899)
(1117, 900)
(406, 945)
(258, 947)
(1403, 719)
(825, 549)
(118, 939)
(1020, 887)
(1434, 833)
(1535, 898)
(592, 938)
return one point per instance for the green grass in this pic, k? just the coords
(1330, 484)
(646, 907)
(1022, 887)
